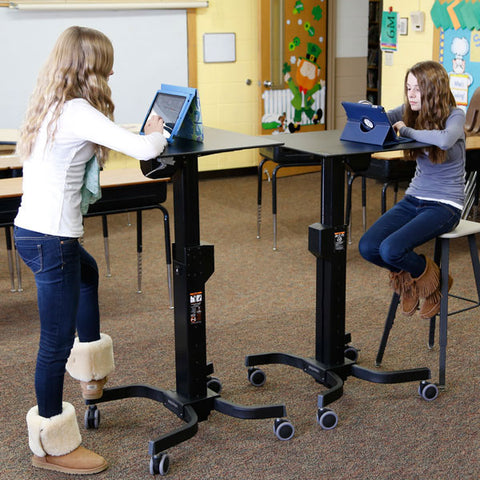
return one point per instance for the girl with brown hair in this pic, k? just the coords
(434, 199)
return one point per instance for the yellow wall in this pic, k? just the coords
(411, 48)
(227, 101)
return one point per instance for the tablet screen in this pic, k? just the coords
(168, 107)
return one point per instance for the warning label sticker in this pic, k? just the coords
(196, 314)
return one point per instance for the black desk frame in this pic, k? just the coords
(193, 264)
(327, 242)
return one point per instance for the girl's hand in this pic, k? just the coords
(154, 124)
(397, 126)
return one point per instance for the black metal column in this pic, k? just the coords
(331, 254)
(193, 264)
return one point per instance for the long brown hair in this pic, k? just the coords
(436, 103)
(78, 67)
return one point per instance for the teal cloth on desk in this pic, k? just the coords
(91, 191)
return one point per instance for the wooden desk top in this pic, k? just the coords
(10, 161)
(472, 143)
(12, 187)
(8, 136)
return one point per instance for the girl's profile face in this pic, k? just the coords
(413, 93)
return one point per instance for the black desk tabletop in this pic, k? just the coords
(218, 141)
(327, 143)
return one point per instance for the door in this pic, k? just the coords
(293, 65)
(293, 38)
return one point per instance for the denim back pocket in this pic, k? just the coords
(31, 253)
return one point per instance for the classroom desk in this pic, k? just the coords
(123, 190)
(327, 242)
(196, 396)
(8, 140)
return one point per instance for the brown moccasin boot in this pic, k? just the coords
(431, 305)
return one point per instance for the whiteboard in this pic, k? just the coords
(150, 49)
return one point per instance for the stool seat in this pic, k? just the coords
(463, 229)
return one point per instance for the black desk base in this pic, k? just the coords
(191, 411)
(331, 377)
(197, 393)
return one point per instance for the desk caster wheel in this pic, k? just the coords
(428, 391)
(92, 417)
(351, 353)
(213, 383)
(283, 429)
(327, 418)
(159, 463)
(256, 376)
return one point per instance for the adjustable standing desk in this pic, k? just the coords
(327, 241)
(193, 400)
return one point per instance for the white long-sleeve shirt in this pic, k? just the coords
(53, 174)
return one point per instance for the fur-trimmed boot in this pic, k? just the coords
(91, 362)
(403, 284)
(55, 443)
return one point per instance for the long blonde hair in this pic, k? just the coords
(78, 67)
(437, 101)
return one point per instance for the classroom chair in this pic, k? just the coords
(387, 172)
(288, 159)
(465, 229)
(136, 199)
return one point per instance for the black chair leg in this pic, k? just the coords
(348, 210)
(105, 244)
(139, 251)
(259, 194)
(437, 258)
(364, 203)
(388, 326)
(8, 240)
(168, 253)
(443, 327)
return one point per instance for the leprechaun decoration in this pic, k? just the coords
(307, 82)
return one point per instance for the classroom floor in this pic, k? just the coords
(258, 300)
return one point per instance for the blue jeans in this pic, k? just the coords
(390, 241)
(67, 293)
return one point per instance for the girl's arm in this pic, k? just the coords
(89, 124)
(443, 139)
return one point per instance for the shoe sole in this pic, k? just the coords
(39, 463)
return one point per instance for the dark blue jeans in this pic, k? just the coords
(390, 241)
(67, 293)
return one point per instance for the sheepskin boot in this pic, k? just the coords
(91, 362)
(55, 443)
(403, 284)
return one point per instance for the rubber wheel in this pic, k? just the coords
(92, 417)
(327, 418)
(213, 383)
(428, 391)
(283, 429)
(256, 377)
(159, 464)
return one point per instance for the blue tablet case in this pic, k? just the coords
(180, 108)
(368, 123)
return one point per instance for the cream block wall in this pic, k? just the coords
(411, 48)
(227, 101)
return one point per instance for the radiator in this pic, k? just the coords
(278, 102)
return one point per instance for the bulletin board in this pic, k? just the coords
(457, 45)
